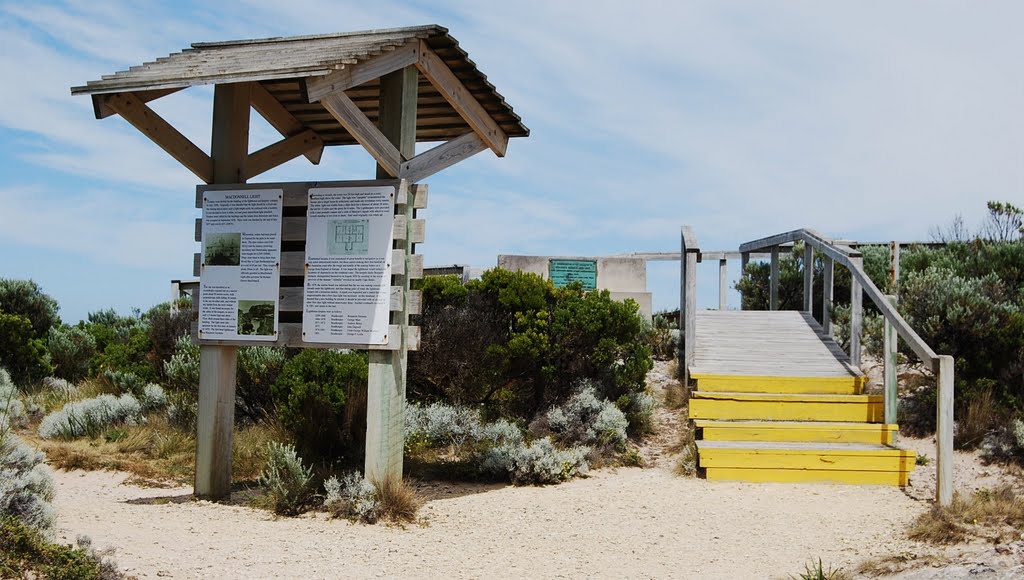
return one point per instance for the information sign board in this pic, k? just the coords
(565, 272)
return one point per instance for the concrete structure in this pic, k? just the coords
(622, 277)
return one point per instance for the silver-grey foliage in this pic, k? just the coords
(287, 481)
(585, 419)
(26, 484)
(538, 463)
(352, 497)
(90, 417)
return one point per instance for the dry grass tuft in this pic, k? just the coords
(817, 571)
(896, 563)
(979, 419)
(687, 447)
(994, 514)
(399, 501)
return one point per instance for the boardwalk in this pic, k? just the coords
(778, 343)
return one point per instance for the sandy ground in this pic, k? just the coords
(623, 523)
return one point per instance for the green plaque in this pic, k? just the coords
(565, 272)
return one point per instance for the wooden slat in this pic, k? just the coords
(293, 264)
(461, 99)
(356, 74)
(281, 152)
(290, 334)
(291, 299)
(364, 131)
(293, 229)
(279, 118)
(103, 111)
(443, 156)
(133, 110)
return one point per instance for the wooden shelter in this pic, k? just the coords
(383, 89)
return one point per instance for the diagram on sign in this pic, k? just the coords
(348, 237)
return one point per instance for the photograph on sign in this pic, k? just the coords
(347, 291)
(240, 278)
(565, 272)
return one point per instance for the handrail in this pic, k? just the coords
(845, 255)
(941, 365)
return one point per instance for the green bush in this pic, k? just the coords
(71, 349)
(515, 345)
(26, 298)
(165, 328)
(26, 553)
(21, 352)
(258, 369)
(318, 395)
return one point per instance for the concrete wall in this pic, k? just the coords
(622, 277)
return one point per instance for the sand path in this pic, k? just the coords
(623, 523)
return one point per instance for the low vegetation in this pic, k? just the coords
(995, 515)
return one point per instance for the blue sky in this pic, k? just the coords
(864, 120)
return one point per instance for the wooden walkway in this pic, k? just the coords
(779, 343)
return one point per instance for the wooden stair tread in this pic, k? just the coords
(806, 447)
(786, 397)
(742, 423)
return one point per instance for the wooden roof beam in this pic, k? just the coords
(281, 119)
(161, 132)
(365, 132)
(102, 111)
(461, 99)
(281, 152)
(443, 156)
(316, 88)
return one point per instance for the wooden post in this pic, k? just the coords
(944, 432)
(217, 364)
(889, 340)
(744, 260)
(385, 407)
(773, 281)
(827, 295)
(691, 314)
(808, 278)
(894, 266)
(856, 313)
(722, 283)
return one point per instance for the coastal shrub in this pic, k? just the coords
(538, 463)
(153, 398)
(316, 394)
(1004, 443)
(21, 352)
(59, 387)
(12, 410)
(26, 299)
(182, 410)
(512, 344)
(352, 497)
(287, 481)
(439, 424)
(124, 381)
(71, 348)
(26, 485)
(585, 419)
(165, 326)
(258, 369)
(27, 553)
(91, 417)
(181, 370)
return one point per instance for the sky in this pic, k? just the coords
(869, 120)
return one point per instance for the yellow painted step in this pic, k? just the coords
(793, 455)
(900, 478)
(786, 407)
(819, 431)
(848, 385)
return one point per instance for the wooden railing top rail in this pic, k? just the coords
(690, 245)
(851, 259)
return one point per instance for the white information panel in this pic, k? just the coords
(348, 265)
(240, 276)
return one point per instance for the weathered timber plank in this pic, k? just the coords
(280, 118)
(369, 136)
(281, 152)
(356, 74)
(290, 334)
(461, 99)
(443, 156)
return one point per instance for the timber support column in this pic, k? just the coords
(217, 364)
(385, 406)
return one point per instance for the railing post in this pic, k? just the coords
(894, 266)
(689, 257)
(944, 432)
(889, 340)
(827, 295)
(744, 260)
(856, 313)
(722, 283)
(808, 278)
(773, 281)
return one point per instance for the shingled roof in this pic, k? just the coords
(286, 67)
